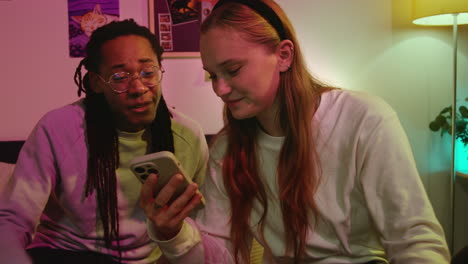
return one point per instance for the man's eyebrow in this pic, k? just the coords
(145, 60)
(119, 66)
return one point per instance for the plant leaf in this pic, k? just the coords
(440, 120)
(434, 126)
(463, 111)
(446, 110)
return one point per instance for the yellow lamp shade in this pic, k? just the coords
(440, 12)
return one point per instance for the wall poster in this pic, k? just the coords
(84, 16)
(176, 23)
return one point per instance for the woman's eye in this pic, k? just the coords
(212, 76)
(233, 72)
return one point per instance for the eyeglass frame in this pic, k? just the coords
(133, 77)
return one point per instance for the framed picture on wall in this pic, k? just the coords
(84, 16)
(177, 25)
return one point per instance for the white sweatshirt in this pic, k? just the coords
(371, 201)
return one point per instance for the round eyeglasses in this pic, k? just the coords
(120, 81)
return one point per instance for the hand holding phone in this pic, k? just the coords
(165, 165)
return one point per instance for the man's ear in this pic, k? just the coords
(285, 52)
(97, 85)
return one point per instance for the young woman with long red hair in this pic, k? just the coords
(315, 174)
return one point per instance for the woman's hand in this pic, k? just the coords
(168, 218)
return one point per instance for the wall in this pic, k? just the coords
(36, 42)
(360, 45)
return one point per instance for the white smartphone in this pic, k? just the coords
(165, 165)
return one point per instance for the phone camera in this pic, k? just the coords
(153, 170)
(140, 169)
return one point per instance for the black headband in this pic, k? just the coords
(262, 9)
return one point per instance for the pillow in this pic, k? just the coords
(6, 170)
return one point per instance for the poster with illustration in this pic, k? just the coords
(176, 23)
(84, 16)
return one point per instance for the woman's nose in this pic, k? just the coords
(221, 87)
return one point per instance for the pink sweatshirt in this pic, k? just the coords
(45, 205)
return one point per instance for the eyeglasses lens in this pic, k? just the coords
(149, 76)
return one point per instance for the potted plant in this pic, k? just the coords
(443, 122)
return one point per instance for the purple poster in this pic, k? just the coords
(176, 23)
(84, 16)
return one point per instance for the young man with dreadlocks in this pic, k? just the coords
(73, 198)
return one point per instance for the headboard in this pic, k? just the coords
(9, 150)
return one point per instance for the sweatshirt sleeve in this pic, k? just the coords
(199, 176)
(205, 240)
(26, 195)
(396, 198)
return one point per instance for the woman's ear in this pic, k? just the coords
(285, 52)
(96, 83)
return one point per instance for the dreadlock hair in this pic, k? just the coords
(263, 22)
(101, 132)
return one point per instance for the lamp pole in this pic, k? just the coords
(454, 105)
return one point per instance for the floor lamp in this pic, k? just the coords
(445, 13)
